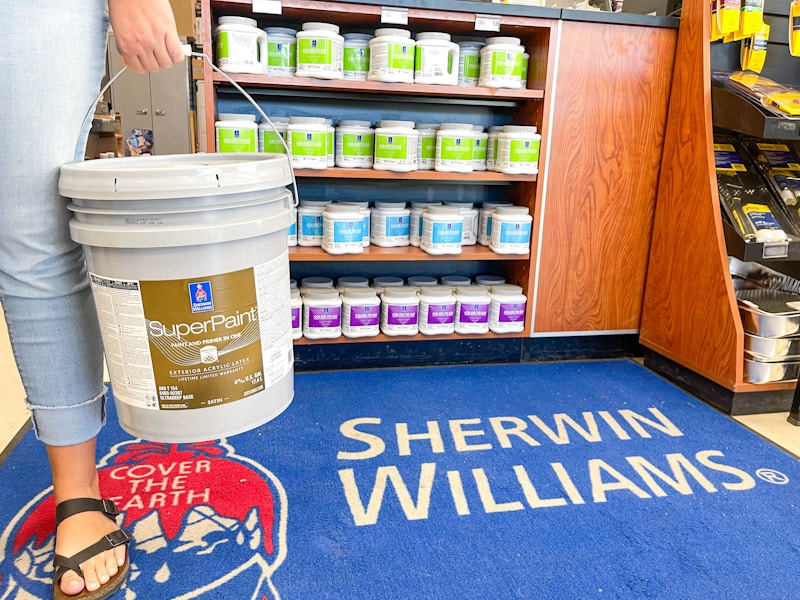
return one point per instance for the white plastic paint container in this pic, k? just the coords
(437, 310)
(322, 314)
(396, 146)
(270, 141)
(472, 309)
(389, 224)
(470, 215)
(399, 311)
(282, 45)
(507, 309)
(485, 221)
(518, 150)
(426, 146)
(241, 47)
(491, 146)
(236, 133)
(190, 251)
(415, 221)
(454, 146)
(320, 51)
(342, 229)
(501, 63)
(479, 149)
(355, 144)
(469, 63)
(435, 59)
(511, 230)
(391, 56)
(442, 230)
(309, 222)
(356, 56)
(361, 312)
(297, 313)
(307, 138)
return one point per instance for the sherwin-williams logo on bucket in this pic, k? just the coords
(200, 296)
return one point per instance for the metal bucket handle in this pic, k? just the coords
(187, 50)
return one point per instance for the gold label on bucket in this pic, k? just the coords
(204, 338)
(197, 342)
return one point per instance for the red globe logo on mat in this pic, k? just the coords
(207, 524)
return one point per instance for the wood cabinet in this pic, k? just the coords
(690, 321)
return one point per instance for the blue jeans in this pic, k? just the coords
(51, 66)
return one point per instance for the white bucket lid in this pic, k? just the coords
(421, 280)
(472, 44)
(387, 281)
(456, 280)
(356, 37)
(506, 289)
(307, 120)
(519, 129)
(314, 203)
(511, 210)
(389, 205)
(354, 123)
(281, 31)
(433, 35)
(467, 126)
(235, 117)
(392, 123)
(443, 210)
(424, 204)
(316, 282)
(173, 176)
(503, 40)
(359, 293)
(276, 120)
(426, 126)
(440, 291)
(234, 20)
(490, 280)
(391, 31)
(478, 128)
(472, 290)
(352, 281)
(400, 292)
(342, 207)
(311, 26)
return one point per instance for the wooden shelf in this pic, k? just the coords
(382, 338)
(376, 253)
(377, 87)
(478, 177)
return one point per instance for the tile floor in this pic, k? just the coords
(771, 426)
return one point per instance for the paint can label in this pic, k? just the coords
(196, 342)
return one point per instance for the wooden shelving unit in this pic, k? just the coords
(690, 320)
(524, 106)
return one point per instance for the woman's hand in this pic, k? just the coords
(145, 34)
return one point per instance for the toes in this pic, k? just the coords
(71, 584)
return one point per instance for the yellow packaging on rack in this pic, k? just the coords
(794, 28)
(754, 50)
(728, 15)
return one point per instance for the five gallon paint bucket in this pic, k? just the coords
(189, 265)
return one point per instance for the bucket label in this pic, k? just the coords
(361, 145)
(456, 149)
(511, 312)
(515, 233)
(524, 151)
(473, 313)
(282, 54)
(400, 57)
(427, 145)
(447, 233)
(230, 139)
(314, 51)
(391, 147)
(195, 343)
(356, 60)
(442, 314)
(311, 144)
(470, 67)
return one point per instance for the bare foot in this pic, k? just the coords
(78, 532)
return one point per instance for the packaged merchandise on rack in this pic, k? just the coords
(778, 162)
(747, 202)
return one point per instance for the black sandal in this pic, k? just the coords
(62, 564)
